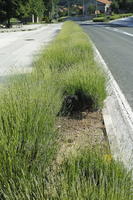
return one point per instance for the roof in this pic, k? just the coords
(105, 1)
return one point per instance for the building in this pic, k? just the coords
(103, 5)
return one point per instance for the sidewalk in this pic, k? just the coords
(30, 27)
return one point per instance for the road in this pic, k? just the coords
(128, 21)
(115, 44)
(19, 49)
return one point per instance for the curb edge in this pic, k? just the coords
(118, 118)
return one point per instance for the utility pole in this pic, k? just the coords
(96, 8)
(52, 11)
(83, 7)
(68, 7)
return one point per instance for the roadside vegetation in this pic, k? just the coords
(29, 138)
(90, 175)
(112, 17)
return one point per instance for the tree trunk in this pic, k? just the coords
(52, 10)
(33, 18)
(83, 8)
(8, 23)
(37, 19)
(68, 7)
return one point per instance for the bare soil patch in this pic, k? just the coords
(82, 130)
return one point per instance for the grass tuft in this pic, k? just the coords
(29, 106)
(90, 175)
(70, 57)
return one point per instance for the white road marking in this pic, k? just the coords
(119, 31)
(129, 34)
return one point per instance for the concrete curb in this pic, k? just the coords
(20, 29)
(118, 118)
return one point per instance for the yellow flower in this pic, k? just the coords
(108, 157)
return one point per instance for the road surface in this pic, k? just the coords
(18, 49)
(128, 21)
(115, 44)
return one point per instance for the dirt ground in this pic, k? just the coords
(80, 131)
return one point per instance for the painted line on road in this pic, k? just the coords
(119, 31)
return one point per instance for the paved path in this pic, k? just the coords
(18, 49)
(22, 28)
(115, 44)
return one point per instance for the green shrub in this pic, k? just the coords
(118, 16)
(99, 19)
(112, 17)
(88, 79)
(62, 19)
(101, 15)
(14, 20)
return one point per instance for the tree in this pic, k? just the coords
(91, 9)
(30, 8)
(24, 9)
(37, 8)
(8, 10)
(2, 11)
(20, 9)
(50, 8)
(115, 6)
(123, 5)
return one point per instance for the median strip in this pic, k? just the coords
(65, 90)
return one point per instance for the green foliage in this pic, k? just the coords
(112, 17)
(117, 16)
(90, 175)
(22, 9)
(30, 7)
(115, 6)
(62, 19)
(29, 106)
(99, 19)
(14, 20)
(91, 9)
(72, 56)
(28, 110)
(88, 79)
(37, 7)
(126, 5)
(8, 9)
(50, 8)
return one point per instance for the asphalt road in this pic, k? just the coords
(128, 21)
(115, 44)
(19, 49)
